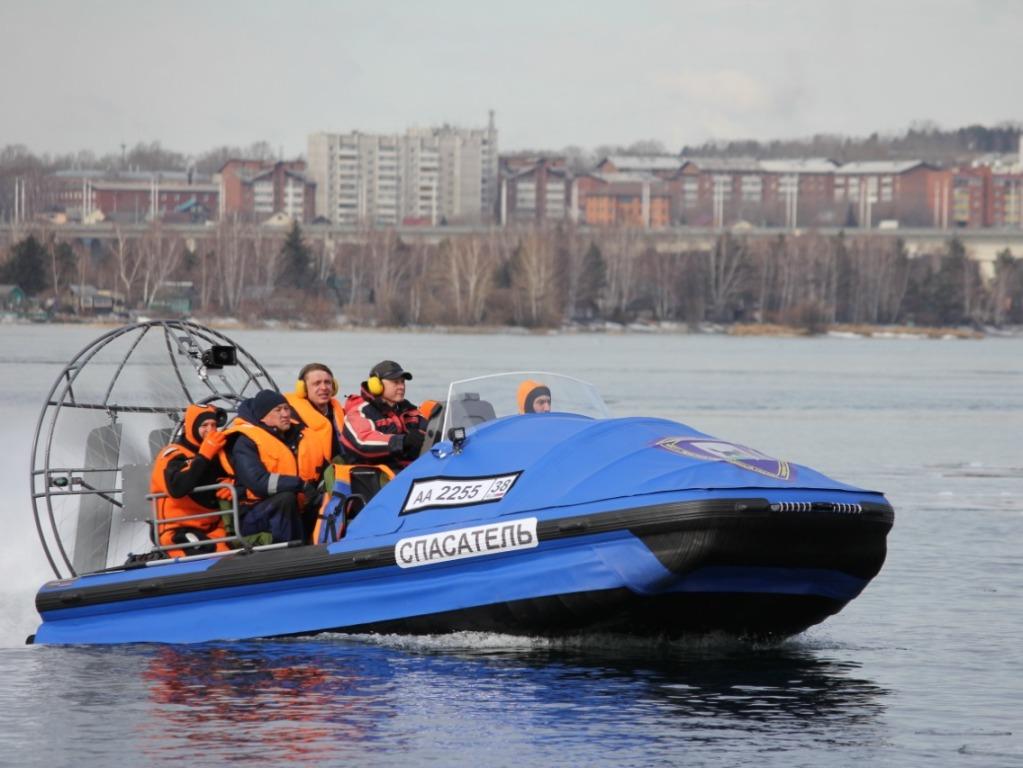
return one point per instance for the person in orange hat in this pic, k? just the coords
(188, 463)
(534, 397)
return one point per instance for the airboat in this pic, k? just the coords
(545, 524)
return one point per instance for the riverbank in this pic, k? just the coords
(838, 330)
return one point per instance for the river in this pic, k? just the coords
(924, 668)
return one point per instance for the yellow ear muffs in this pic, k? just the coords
(374, 385)
(300, 389)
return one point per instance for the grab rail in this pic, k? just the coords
(157, 524)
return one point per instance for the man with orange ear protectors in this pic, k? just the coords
(381, 426)
(319, 415)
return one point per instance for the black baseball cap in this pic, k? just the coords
(388, 369)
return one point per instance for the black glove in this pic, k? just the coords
(310, 490)
(413, 444)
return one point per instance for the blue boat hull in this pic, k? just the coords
(770, 564)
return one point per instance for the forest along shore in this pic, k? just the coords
(534, 278)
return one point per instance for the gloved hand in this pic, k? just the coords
(413, 443)
(224, 493)
(310, 491)
(213, 443)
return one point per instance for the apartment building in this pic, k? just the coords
(424, 176)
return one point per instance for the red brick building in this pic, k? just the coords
(254, 190)
(135, 201)
(533, 189)
(623, 199)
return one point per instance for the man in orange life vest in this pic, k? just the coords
(381, 426)
(320, 416)
(186, 464)
(263, 455)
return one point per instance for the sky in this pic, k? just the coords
(198, 74)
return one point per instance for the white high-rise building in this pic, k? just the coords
(424, 176)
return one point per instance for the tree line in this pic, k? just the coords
(529, 277)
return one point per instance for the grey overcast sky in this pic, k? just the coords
(196, 74)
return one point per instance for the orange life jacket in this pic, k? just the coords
(316, 448)
(275, 455)
(169, 509)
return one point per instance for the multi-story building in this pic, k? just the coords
(622, 199)
(254, 190)
(534, 189)
(426, 175)
(1007, 198)
(906, 191)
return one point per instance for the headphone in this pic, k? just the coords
(375, 385)
(300, 388)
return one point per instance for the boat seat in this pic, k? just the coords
(470, 410)
(347, 489)
(433, 413)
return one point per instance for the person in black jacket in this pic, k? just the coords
(263, 454)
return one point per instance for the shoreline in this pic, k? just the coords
(771, 330)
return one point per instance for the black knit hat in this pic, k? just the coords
(265, 401)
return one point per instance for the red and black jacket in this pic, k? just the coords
(374, 431)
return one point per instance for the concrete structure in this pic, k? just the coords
(424, 176)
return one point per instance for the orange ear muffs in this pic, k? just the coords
(300, 389)
(375, 385)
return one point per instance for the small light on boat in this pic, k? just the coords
(457, 437)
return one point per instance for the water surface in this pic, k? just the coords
(924, 668)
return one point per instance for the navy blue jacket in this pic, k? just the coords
(249, 470)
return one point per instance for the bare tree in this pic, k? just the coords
(128, 264)
(470, 268)
(622, 251)
(663, 269)
(161, 257)
(232, 262)
(726, 258)
(389, 270)
(533, 278)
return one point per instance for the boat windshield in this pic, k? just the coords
(484, 398)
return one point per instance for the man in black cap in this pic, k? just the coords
(263, 452)
(381, 426)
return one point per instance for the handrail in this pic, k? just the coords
(156, 523)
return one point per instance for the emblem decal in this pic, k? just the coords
(709, 449)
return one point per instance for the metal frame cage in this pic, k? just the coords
(110, 410)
